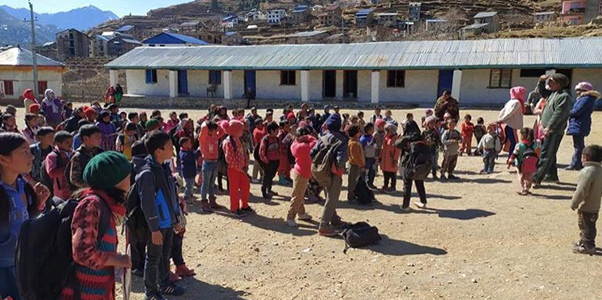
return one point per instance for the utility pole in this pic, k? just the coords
(33, 51)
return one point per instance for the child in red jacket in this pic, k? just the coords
(284, 168)
(237, 159)
(467, 130)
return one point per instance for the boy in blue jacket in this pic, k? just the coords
(188, 160)
(159, 202)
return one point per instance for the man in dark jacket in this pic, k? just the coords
(330, 220)
(159, 203)
(71, 124)
(580, 122)
(553, 120)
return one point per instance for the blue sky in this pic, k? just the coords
(119, 7)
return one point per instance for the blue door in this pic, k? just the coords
(250, 81)
(446, 79)
(182, 82)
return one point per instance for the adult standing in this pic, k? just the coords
(447, 104)
(110, 96)
(249, 95)
(53, 108)
(580, 121)
(553, 121)
(512, 115)
(28, 99)
(118, 93)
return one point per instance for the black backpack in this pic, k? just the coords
(360, 235)
(135, 219)
(44, 257)
(418, 164)
(364, 195)
(256, 155)
(44, 177)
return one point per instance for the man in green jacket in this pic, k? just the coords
(554, 121)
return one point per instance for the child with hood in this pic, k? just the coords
(512, 115)
(237, 159)
(52, 108)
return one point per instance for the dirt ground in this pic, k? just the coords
(477, 240)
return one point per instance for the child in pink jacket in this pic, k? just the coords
(301, 175)
(237, 159)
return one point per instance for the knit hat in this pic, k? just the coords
(152, 124)
(34, 108)
(290, 115)
(584, 86)
(236, 128)
(334, 122)
(379, 122)
(107, 169)
(89, 112)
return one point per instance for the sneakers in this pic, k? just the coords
(248, 210)
(305, 217)
(326, 231)
(172, 289)
(483, 172)
(420, 205)
(443, 178)
(205, 207)
(155, 296)
(238, 213)
(406, 209)
(583, 250)
(291, 223)
(183, 271)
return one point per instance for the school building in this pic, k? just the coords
(478, 72)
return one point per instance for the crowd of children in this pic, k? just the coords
(80, 154)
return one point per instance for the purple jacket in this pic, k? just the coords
(51, 116)
(109, 135)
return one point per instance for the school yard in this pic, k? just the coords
(477, 240)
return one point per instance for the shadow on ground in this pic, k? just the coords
(197, 290)
(388, 246)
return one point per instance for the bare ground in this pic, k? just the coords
(478, 239)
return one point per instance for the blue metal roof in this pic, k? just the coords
(417, 55)
(363, 12)
(173, 39)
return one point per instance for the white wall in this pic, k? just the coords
(136, 83)
(316, 83)
(198, 82)
(23, 80)
(268, 86)
(593, 76)
(420, 87)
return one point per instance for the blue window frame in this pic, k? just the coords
(215, 77)
(151, 76)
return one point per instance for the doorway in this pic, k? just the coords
(329, 84)
(251, 81)
(182, 82)
(350, 84)
(446, 81)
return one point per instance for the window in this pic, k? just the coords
(215, 77)
(287, 78)
(396, 78)
(151, 76)
(500, 78)
(536, 73)
(8, 87)
(42, 87)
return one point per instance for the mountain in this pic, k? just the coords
(15, 31)
(82, 18)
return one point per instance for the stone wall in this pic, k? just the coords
(86, 79)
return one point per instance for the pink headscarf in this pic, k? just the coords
(236, 128)
(518, 93)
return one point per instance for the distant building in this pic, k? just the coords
(331, 15)
(72, 43)
(132, 30)
(233, 38)
(275, 16)
(190, 26)
(435, 25)
(230, 21)
(16, 65)
(167, 39)
(593, 9)
(576, 12)
(121, 44)
(99, 45)
(307, 37)
(255, 15)
(364, 17)
(544, 17)
(414, 11)
(300, 14)
(387, 19)
(491, 19)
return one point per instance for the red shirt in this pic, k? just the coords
(467, 129)
(258, 134)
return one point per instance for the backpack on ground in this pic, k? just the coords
(360, 235)
(529, 160)
(363, 194)
(321, 163)
(44, 259)
(419, 163)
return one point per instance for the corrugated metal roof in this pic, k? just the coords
(17, 56)
(364, 12)
(485, 14)
(125, 28)
(471, 54)
(475, 26)
(173, 38)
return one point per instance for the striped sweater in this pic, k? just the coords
(96, 281)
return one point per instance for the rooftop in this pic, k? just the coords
(306, 34)
(16, 56)
(125, 28)
(174, 38)
(485, 15)
(387, 14)
(476, 26)
(468, 54)
(364, 12)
